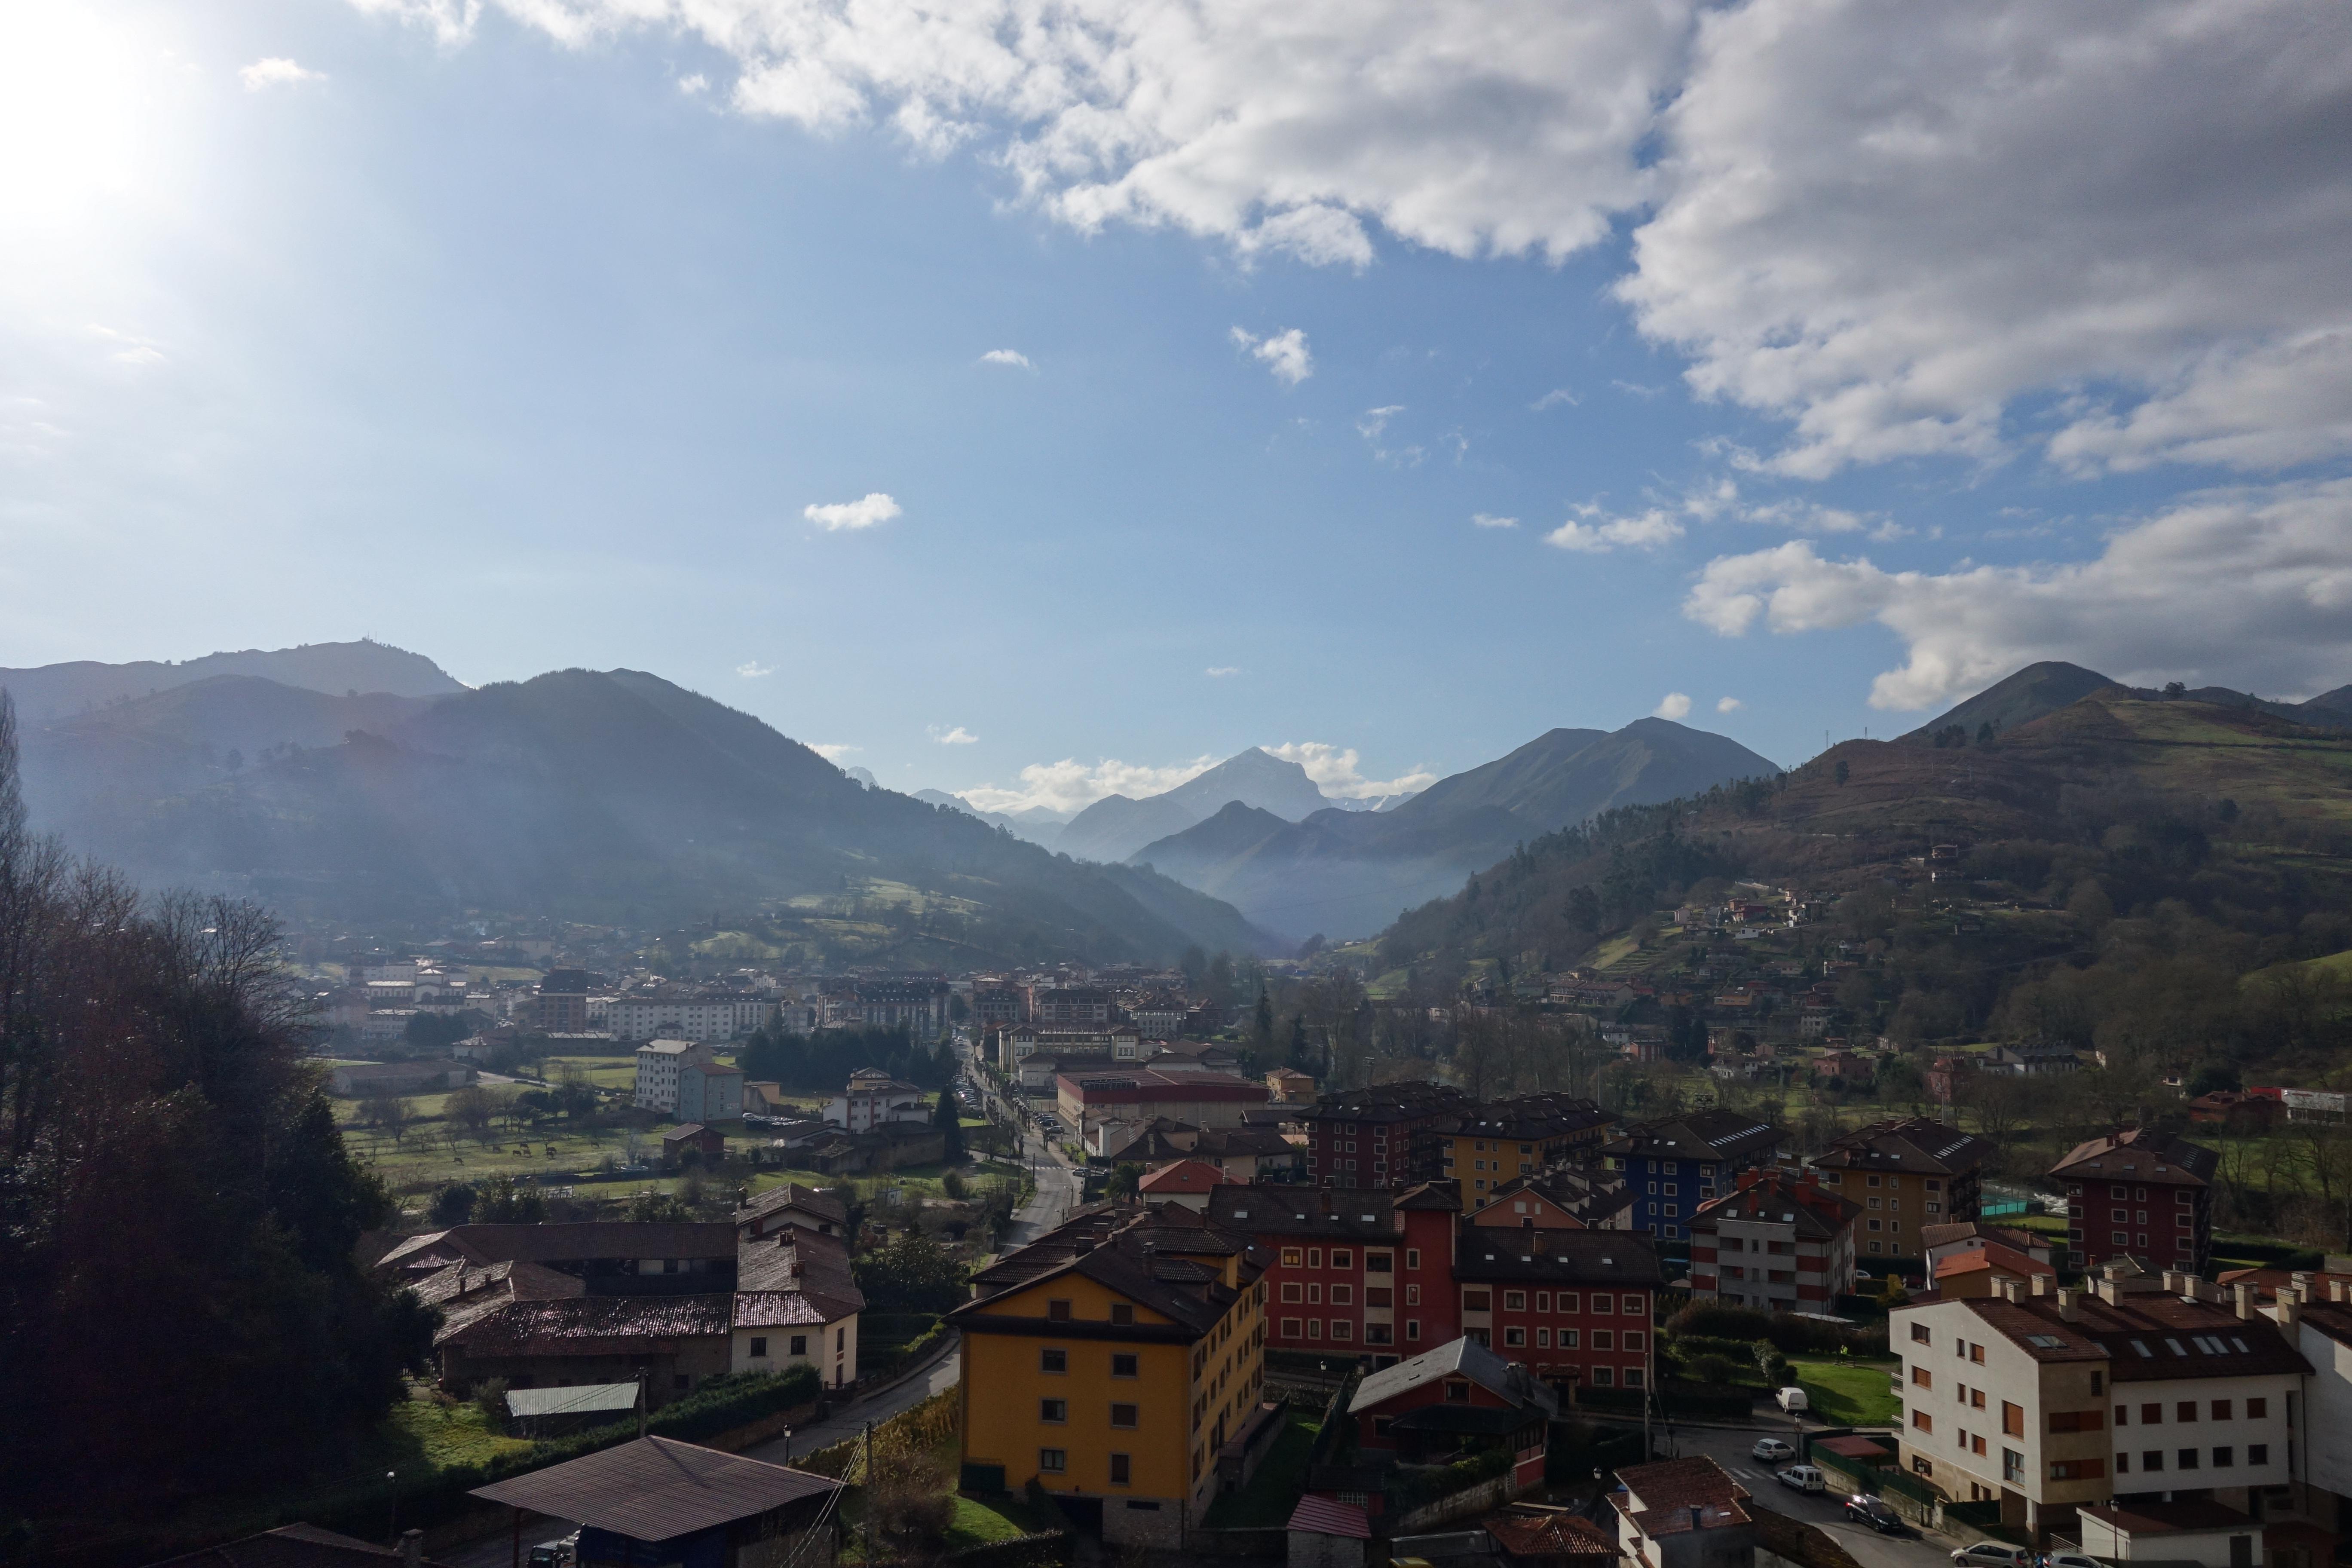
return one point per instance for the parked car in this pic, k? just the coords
(1874, 1513)
(1804, 1477)
(1792, 1399)
(1771, 1448)
(1993, 1555)
(2071, 1560)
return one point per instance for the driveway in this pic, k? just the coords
(1871, 1550)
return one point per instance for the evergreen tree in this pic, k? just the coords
(949, 1119)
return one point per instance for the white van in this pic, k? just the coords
(1792, 1399)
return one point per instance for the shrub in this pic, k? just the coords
(490, 1398)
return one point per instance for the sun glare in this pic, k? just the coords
(77, 100)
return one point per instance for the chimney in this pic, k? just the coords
(2042, 1284)
(2245, 1300)
(2010, 1290)
(412, 1548)
(2335, 1290)
(2290, 1309)
(2069, 1305)
(2176, 1283)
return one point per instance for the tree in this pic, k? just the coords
(913, 1274)
(1842, 772)
(471, 1108)
(1126, 1181)
(949, 1119)
(504, 1201)
(452, 1204)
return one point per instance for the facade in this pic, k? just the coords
(1672, 1167)
(2141, 1194)
(795, 1301)
(779, 1209)
(1938, 1242)
(2054, 1401)
(563, 1002)
(873, 1098)
(1905, 1174)
(1373, 1137)
(1160, 1016)
(659, 1064)
(1288, 1086)
(1353, 1271)
(360, 1080)
(1519, 1137)
(709, 1091)
(1775, 1242)
(1458, 1399)
(1185, 1181)
(675, 1012)
(1575, 1307)
(1525, 1203)
(1017, 1044)
(1109, 1361)
(1072, 1007)
(1203, 1098)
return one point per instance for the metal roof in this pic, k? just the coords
(588, 1398)
(657, 1489)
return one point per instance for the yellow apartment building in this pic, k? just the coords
(1507, 1138)
(1111, 1359)
(1905, 1174)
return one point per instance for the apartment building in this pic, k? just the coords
(1575, 1307)
(661, 1068)
(873, 1098)
(1517, 1137)
(1355, 1271)
(1905, 1174)
(1087, 1099)
(1070, 1007)
(1777, 1242)
(1672, 1165)
(1371, 1137)
(1525, 1203)
(675, 1012)
(1109, 1361)
(562, 1002)
(2142, 1389)
(2142, 1195)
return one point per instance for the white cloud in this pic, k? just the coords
(1593, 531)
(1486, 519)
(754, 669)
(865, 512)
(1218, 672)
(1893, 227)
(1729, 705)
(833, 751)
(275, 71)
(1336, 773)
(2241, 587)
(1013, 357)
(959, 736)
(691, 84)
(1552, 399)
(1070, 785)
(1376, 420)
(1675, 706)
(1284, 353)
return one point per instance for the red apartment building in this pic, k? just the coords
(2142, 1195)
(1574, 1307)
(1367, 1137)
(1351, 1271)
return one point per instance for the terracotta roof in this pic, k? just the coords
(592, 1325)
(777, 1309)
(1934, 1236)
(2145, 1337)
(1852, 1447)
(1327, 1516)
(792, 1195)
(2142, 1155)
(1553, 1532)
(658, 1490)
(1186, 1176)
(1992, 1256)
(1913, 1144)
(1780, 1199)
(1659, 1499)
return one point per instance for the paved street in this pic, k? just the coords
(1871, 1550)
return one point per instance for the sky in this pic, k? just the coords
(1035, 398)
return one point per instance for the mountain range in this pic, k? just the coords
(605, 797)
(2044, 688)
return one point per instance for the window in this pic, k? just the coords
(1119, 1469)
(1379, 1262)
(2098, 1383)
(1314, 1257)
(1343, 1258)
(1604, 1377)
(1457, 1392)
(2151, 1462)
(1569, 1301)
(1515, 1336)
(2123, 1464)
(2258, 1453)
(1051, 1461)
(1543, 1339)
(1057, 1311)
(1543, 1301)
(2077, 1420)
(1921, 1378)
(2077, 1469)
(1412, 1295)
(2123, 1415)
(1341, 1329)
(1476, 1301)
(1633, 1377)
(1514, 1300)
(2224, 1457)
(1976, 1353)
(1567, 1339)
(1289, 1327)
(1602, 1339)
(2012, 1419)
(759, 1344)
(1122, 1415)
(1378, 1295)
(1052, 1358)
(1413, 1258)
(1314, 1293)
(1633, 1306)
(2256, 1409)
(1919, 1335)
(1122, 1364)
(1922, 1421)
(2186, 1458)
(1343, 1294)
(1291, 1291)
(2013, 1465)
(1053, 1410)
(2221, 1410)
(1412, 1327)
(1603, 1303)
(2184, 1410)
(1293, 1258)
(2151, 1415)
(1122, 1314)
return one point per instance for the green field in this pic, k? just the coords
(1849, 1392)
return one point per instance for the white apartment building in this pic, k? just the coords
(687, 1014)
(873, 1098)
(2145, 1389)
(657, 1072)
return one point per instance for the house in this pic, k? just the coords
(1905, 1174)
(763, 1098)
(1363, 1272)
(1683, 1513)
(1370, 1137)
(1120, 1045)
(695, 1138)
(888, 1146)
(2225, 1105)
(1160, 1016)
(1288, 1086)
(659, 1500)
(2142, 1194)
(1574, 1306)
(2319, 1325)
(795, 1302)
(529, 1340)
(360, 1081)
(659, 1063)
(1452, 1401)
(2010, 1397)
(608, 1257)
(917, 1003)
(790, 1206)
(1938, 1242)
(2032, 1059)
(2207, 1533)
(1978, 1272)
(1185, 1181)
(873, 1098)
(1204, 1098)
(1677, 1163)
(1245, 1153)
(1108, 1362)
(1776, 1242)
(1517, 1137)
(1178, 1056)
(1526, 1203)
(1538, 1535)
(709, 1091)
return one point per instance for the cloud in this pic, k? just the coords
(865, 512)
(691, 84)
(1552, 399)
(1485, 519)
(2246, 587)
(1013, 357)
(1892, 228)
(1218, 672)
(1335, 771)
(1729, 705)
(833, 751)
(1284, 353)
(1675, 706)
(1593, 531)
(1070, 785)
(275, 71)
(754, 669)
(959, 736)
(1376, 420)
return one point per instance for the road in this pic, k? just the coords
(1730, 1449)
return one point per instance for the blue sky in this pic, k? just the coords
(527, 336)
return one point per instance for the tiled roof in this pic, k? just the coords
(1185, 1177)
(1777, 1199)
(590, 1325)
(1346, 1213)
(2146, 1336)
(1992, 1256)
(2142, 1155)
(1464, 1357)
(792, 1195)
(1531, 1117)
(657, 1489)
(1128, 1252)
(1329, 1516)
(1520, 1531)
(1659, 1499)
(776, 1310)
(1498, 1254)
(1913, 1144)
(1387, 1102)
(1701, 1136)
(572, 1242)
(1935, 1236)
